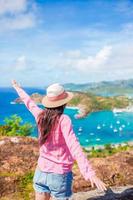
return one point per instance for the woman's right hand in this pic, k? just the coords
(15, 84)
(99, 184)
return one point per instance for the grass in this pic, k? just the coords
(107, 151)
(25, 185)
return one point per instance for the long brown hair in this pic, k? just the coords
(47, 120)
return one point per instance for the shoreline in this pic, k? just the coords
(115, 145)
(73, 107)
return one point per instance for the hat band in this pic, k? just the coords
(59, 97)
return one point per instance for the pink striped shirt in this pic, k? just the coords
(62, 147)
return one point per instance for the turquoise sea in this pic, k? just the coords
(97, 128)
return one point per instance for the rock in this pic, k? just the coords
(14, 139)
(35, 96)
(114, 193)
(2, 142)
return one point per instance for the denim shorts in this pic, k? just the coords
(58, 185)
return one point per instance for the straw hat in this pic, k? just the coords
(56, 96)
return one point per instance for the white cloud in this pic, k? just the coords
(83, 63)
(127, 29)
(20, 64)
(72, 54)
(12, 6)
(19, 22)
(16, 15)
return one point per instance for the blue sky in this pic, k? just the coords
(79, 41)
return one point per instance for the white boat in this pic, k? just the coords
(118, 122)
(103, 125)
(12, 102)
(120, 129)
(80, 128)
(91, 133)
(127, 109)
(98, 139)
(98, 127)
(123, 125)
(87, 140)
(118, 110)
(115, 130)
(111, 126)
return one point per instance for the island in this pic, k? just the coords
(87, 102)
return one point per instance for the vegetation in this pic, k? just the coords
(25, 185)
(92, 103)
(14, 127)
(108, 150)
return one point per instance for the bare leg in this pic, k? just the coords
(42, 196)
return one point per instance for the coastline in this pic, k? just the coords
(115, 145)
(86, 104)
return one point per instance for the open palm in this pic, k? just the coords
(99, 184)
(14, 83)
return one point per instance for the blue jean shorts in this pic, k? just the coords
(58, 186)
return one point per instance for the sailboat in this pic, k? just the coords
(115, 130)
(111, 126)
(98, 127)
(80, 128)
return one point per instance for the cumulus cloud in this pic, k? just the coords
(16, 15)
(17, 23)
(22, 64)
(77, 60)
(12, 6)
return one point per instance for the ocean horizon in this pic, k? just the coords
(98, 128)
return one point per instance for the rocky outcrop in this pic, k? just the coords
(18, 155)
(113, 193)
(35, 96)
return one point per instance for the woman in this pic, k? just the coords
(58, 146)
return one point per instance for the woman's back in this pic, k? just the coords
(55, 150)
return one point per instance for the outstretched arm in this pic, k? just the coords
(78, 154)
(30, 104)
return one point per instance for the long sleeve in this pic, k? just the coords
(75, 148)
(29, 103)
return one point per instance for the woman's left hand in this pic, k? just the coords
(99, 184)
(15, 84)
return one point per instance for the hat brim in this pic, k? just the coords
(52, 104)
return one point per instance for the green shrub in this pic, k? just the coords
(25, 186)
(14, 127)
(108, 150)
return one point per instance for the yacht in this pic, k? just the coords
(111, 126)
(118, 122)
(98, 127)
(120, 129)
(91, 133)
(98, 139)
(80, 128)
(115, 130)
